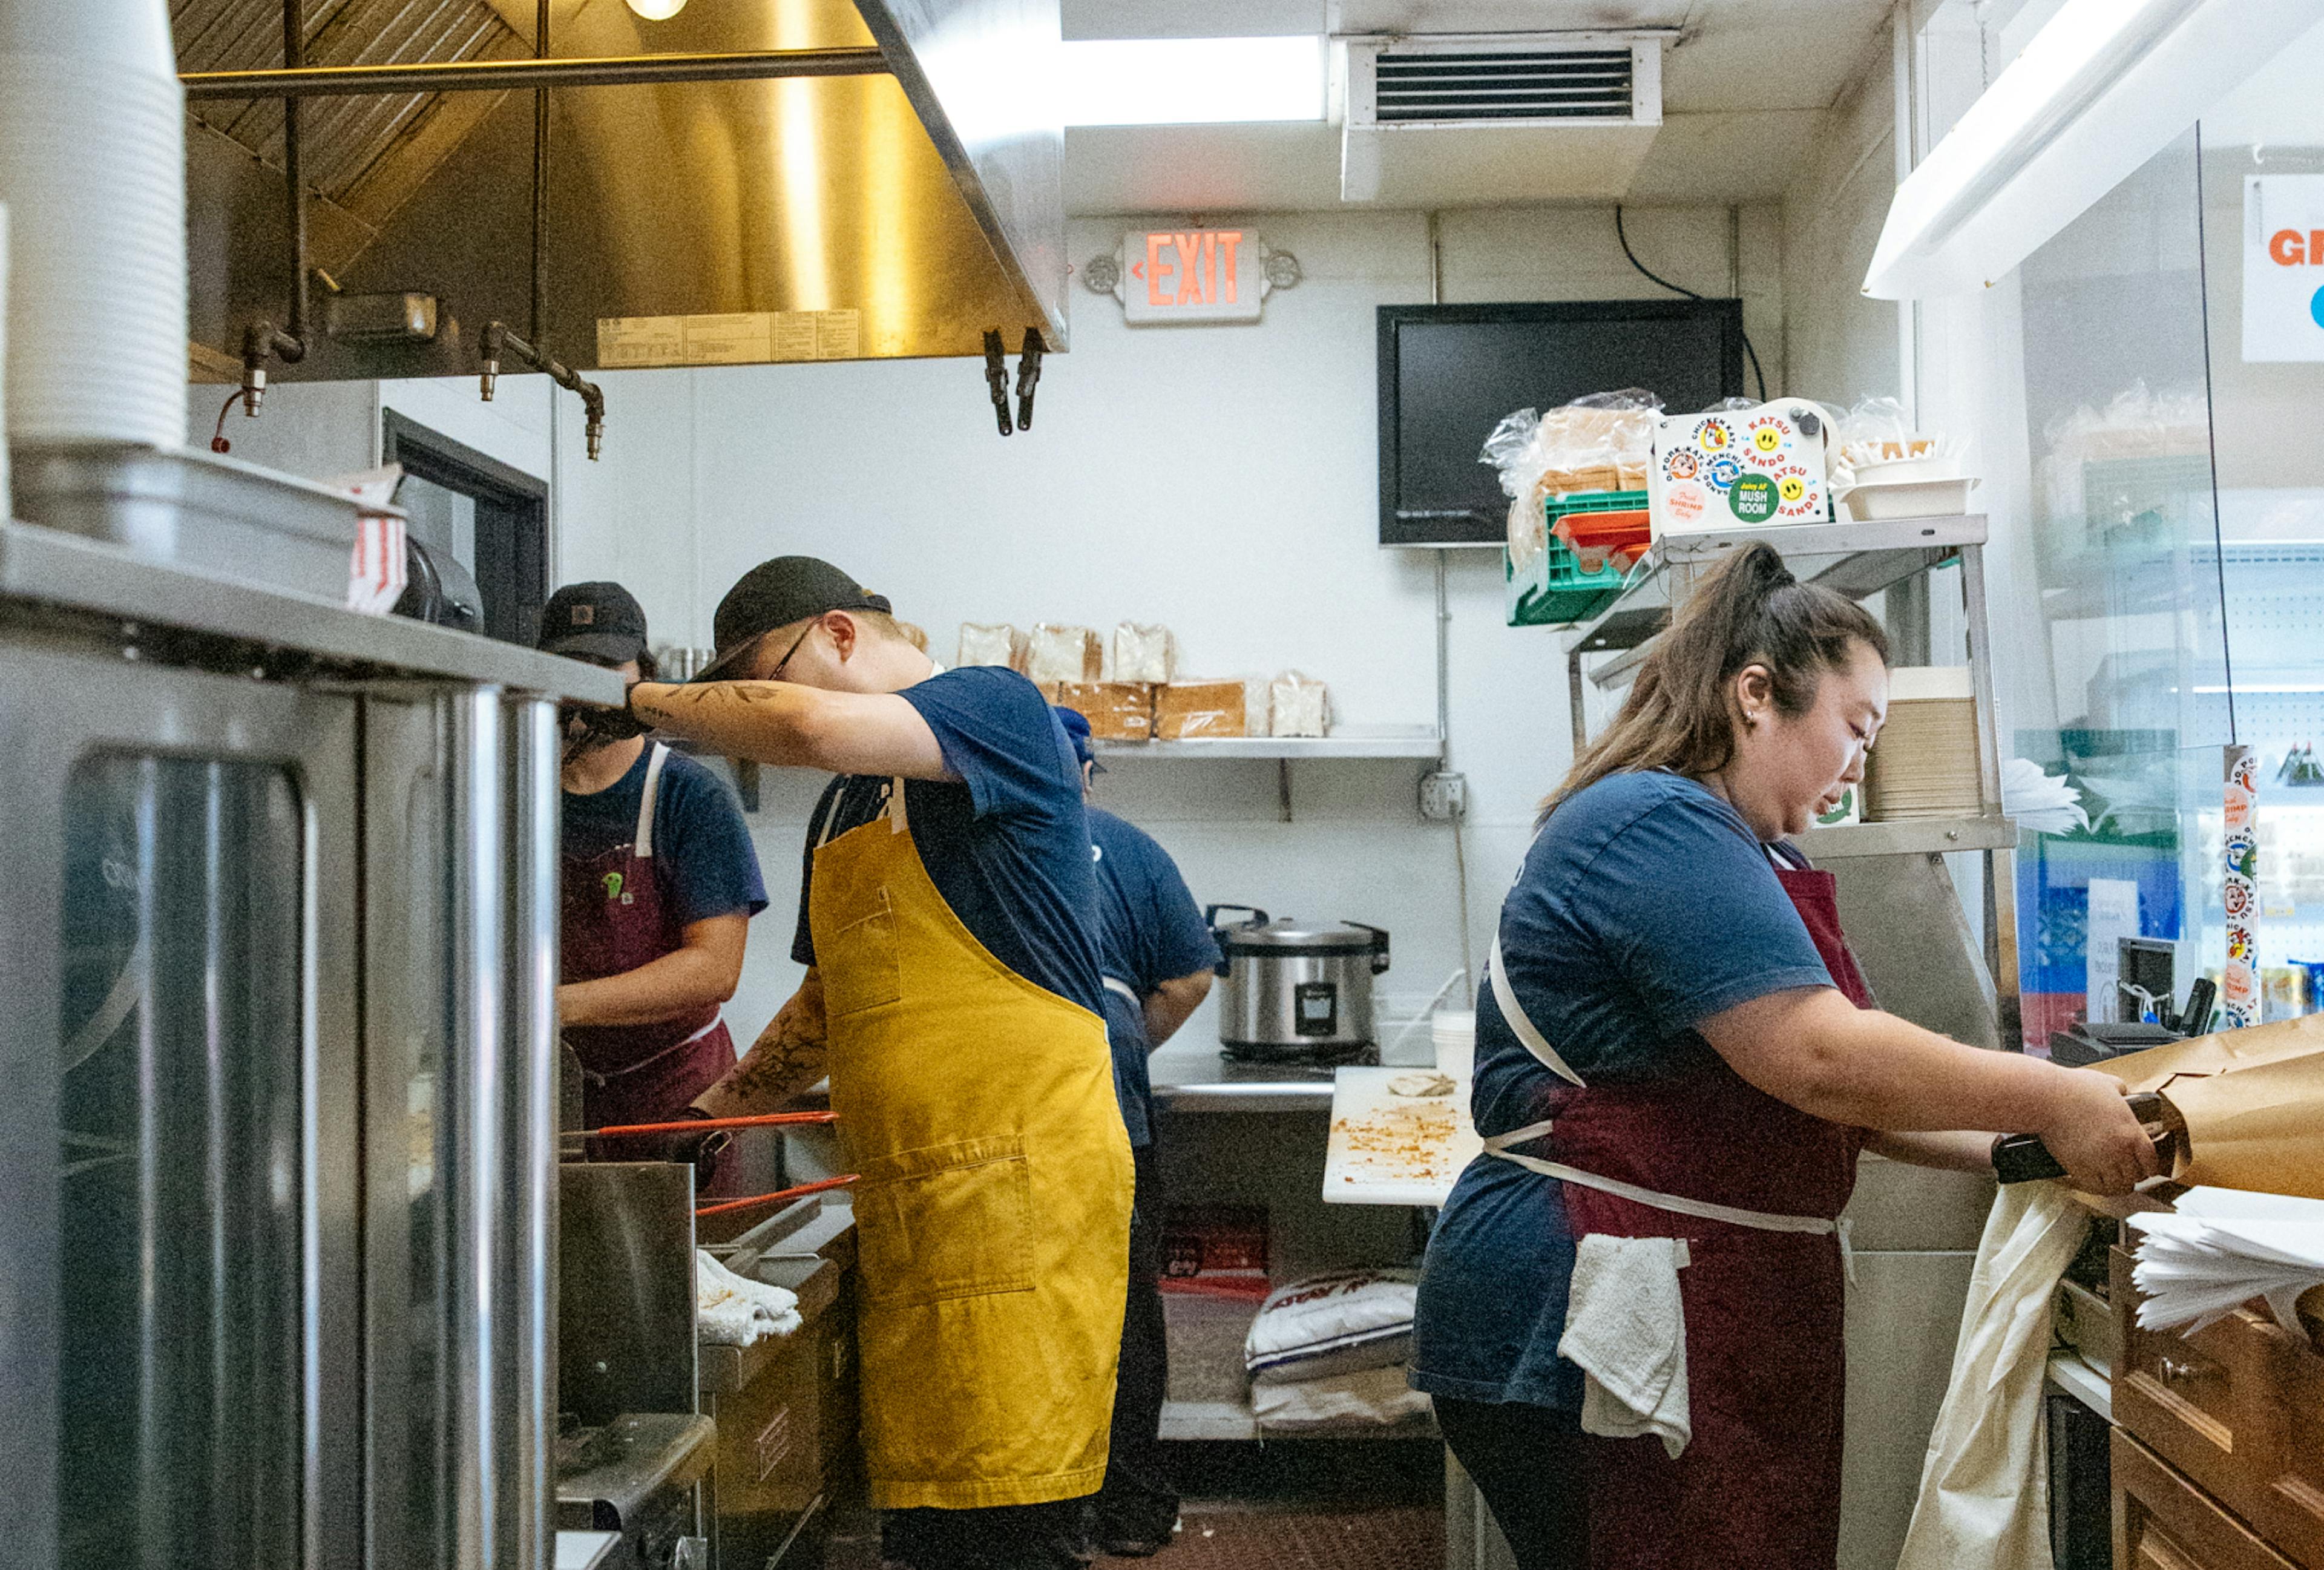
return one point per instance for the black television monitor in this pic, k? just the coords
(1448, 373)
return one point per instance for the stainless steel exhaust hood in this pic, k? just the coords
(902, 209)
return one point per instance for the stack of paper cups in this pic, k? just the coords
(1454, 1031)
(92, 170)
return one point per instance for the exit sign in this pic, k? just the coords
(1192, 275)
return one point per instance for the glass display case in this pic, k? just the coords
(2178, 523)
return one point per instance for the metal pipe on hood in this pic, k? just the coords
(500, 75)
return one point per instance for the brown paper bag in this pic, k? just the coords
(2253, 1104)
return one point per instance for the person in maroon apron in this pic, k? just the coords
(659, 884)
(1678, 1063)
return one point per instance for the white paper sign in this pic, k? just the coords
(2114, 916)
(2284, 267)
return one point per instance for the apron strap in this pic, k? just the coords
(1114, 984)
(594, 1077)
(1757, 1220)
(1521, 1022)
(642, 841)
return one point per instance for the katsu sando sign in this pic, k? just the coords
(1191, 275)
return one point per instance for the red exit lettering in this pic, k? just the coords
(1193, 269)
(2289, 249)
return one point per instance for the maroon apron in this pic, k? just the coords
(1759, 1484)
(614, 921)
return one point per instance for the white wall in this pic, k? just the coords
(1222, 480)
(1838, 346)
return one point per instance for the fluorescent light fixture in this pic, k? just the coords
(2104, 87)
(1192, 81)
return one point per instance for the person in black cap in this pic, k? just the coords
(947, 918)
(1157, 956)
(659, 883)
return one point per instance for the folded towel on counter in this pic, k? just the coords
(1625, 1330)
(731, 1310)
(1377, 1396)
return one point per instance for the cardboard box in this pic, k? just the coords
(1215, 1250)
(1187, 710)
(1117, 711)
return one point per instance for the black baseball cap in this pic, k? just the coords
(777, 594)
(594, 621)
(1077, 731)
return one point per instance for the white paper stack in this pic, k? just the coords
(1924, 763)
(2042, 803)
(2222, 1248)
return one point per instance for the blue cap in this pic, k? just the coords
(1077, 731)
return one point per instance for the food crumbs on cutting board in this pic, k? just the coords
(1411, 1140)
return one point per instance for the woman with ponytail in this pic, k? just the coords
(1631, 1313)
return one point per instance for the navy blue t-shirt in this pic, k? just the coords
(1644, 906)
(1150, 931)
(702, 858)
(1007, 846)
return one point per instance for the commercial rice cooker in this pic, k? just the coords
(1295, 991)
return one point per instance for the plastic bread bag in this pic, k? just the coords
(2137, 424)
(1602, 441)
(1298, 706)
(1144, 653)
(1877, 434)
(1056, 653)
(990, 643)
(1191, 710)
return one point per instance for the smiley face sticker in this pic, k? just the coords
(1767, 438)
(1792, 487)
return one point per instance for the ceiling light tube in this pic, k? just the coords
(2104, 87)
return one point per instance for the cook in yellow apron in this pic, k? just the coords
(993, 1219)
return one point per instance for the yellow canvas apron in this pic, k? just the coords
(992, 1218)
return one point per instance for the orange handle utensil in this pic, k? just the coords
(706, 1125)
(779, 1195)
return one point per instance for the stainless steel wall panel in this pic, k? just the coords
(180, 964)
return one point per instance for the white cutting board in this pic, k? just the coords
(1391, 1147)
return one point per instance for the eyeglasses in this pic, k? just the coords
(777, 673)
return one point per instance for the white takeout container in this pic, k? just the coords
(1879, 500)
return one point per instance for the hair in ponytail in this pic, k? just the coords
(1749, 610)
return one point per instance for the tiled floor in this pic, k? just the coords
(1308, 1504)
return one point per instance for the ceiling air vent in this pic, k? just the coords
(1478, 87)
(1568, 112)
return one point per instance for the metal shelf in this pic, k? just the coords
(1346, 742)
(1858, 560)
(1909, 837)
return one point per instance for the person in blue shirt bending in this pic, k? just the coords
(1631, 1313)
(1157, 956)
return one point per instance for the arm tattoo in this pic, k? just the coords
(787, 1058)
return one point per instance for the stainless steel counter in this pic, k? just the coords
(1189, 1081)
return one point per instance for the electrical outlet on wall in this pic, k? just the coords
(1443, 795)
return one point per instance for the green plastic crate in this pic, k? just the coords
(1556, 591)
